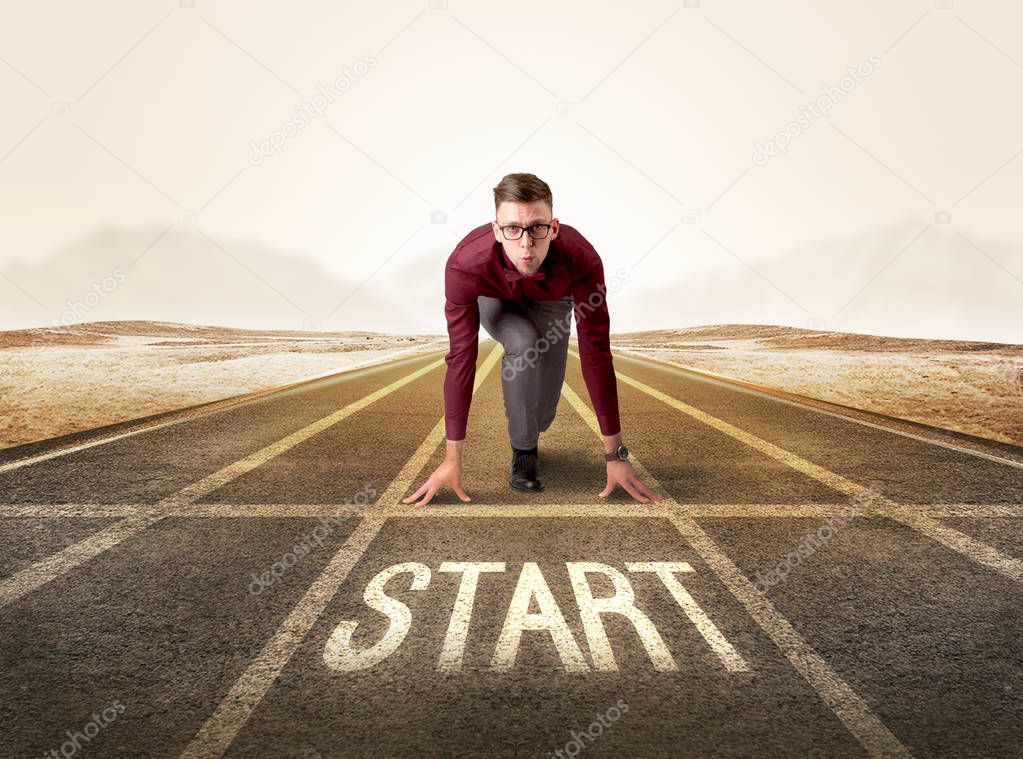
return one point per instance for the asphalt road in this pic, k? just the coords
(246, 582)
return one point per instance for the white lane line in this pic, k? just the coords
(846, 704)
(962, 544)
(203, 410)
(664, 510)
(217, 733)
(42, 572)
(490, 510)
(772, 393)
(231, 472)
(946, 510)
(72, 510)
(234, 710)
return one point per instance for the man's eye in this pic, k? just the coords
(514, 229)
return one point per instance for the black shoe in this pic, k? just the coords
(525, 475)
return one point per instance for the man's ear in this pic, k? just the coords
(497, 230)
(555, 226)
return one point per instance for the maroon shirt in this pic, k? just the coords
(479, 266)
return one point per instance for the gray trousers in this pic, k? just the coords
(535, 339)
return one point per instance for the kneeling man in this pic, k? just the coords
(521, 276)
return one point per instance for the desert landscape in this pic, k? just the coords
(64, 379)
(970, 387)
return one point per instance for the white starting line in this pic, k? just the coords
(461, 510)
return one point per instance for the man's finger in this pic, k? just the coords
(461, 493)
(415, 495)
(635, 493)
(643, 488)
(607, 489)
(429, 496)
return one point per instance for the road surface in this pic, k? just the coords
(246, 582)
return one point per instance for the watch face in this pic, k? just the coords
(623, 453)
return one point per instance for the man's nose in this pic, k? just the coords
(526, 241)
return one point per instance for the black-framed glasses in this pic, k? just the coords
(536, 231)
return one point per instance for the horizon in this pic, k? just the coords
(483, 337)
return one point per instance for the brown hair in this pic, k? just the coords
(522, 188)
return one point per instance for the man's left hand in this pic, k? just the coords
(622, 473)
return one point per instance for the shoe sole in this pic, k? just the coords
(526, 490)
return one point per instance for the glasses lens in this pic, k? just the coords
(538, 231)
(512, 233)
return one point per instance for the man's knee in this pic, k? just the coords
(520, 354)
(521, 342)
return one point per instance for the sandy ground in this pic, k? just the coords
(60, 380)
(67, 379)
(970, 387)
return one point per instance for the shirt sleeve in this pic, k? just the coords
(593, 325)
(463, 318)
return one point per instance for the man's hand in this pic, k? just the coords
(622, 473)
(448, 473)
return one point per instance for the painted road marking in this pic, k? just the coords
(184, 416)
(773, 394)
(490, 510)
(959, 542)
(453, 650)
(726, 652)
(231, 714)
(42, 572)
(340, 655)
(532, 587)
(847, 705)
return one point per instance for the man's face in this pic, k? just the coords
(526, 254)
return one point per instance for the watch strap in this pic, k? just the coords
(615, 456)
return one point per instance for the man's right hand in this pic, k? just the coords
(448, 473)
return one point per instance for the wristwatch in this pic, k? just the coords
(621, 453)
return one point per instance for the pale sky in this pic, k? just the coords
(127, 167)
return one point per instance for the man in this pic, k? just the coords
(521, 276)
